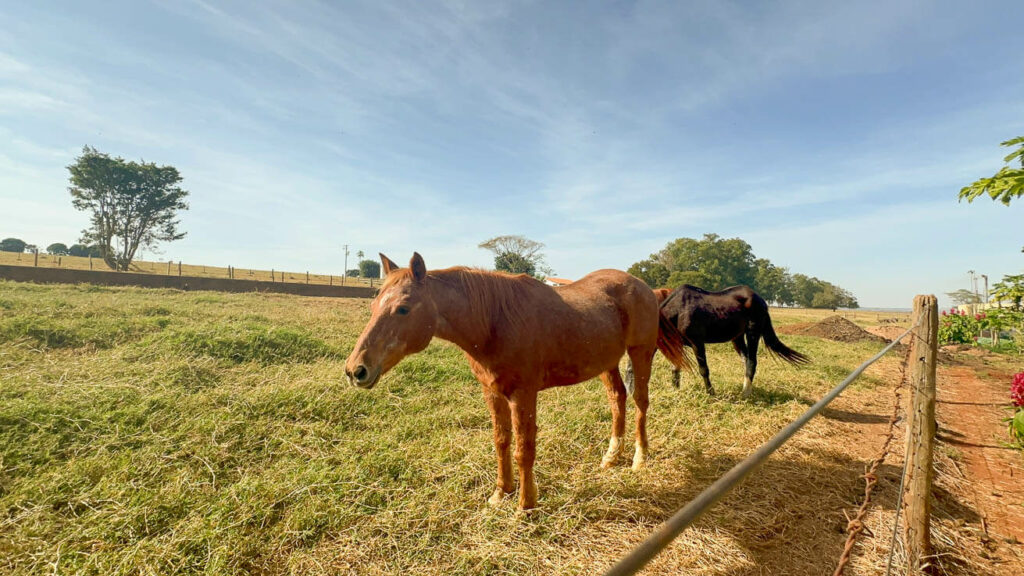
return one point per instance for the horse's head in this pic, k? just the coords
(403, 321)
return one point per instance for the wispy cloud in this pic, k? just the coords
(603, 131)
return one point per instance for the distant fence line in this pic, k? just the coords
(178, 268)
(110, 278)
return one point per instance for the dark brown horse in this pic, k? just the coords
(522, 336)
(736, 314)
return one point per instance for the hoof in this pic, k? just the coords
(639, 458)
(528, 497)
(612, 455)
(497, 498)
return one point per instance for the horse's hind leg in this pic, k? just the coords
(751, 356)
(642, 360)
(616, 391)
(702, 365)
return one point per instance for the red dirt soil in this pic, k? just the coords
(973, 401)
(833, 328)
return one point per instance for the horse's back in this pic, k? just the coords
(713, 316)
(603, 291)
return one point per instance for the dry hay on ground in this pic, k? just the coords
(833, 328)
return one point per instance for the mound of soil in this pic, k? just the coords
(833, 328)
(889, 332)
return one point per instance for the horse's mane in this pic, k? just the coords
(493, 297)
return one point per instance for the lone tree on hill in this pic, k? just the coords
(132, 204)
(369, 268)
(517, 255)
(57, 249)
(12, 245)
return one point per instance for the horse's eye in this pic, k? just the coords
(402, 310)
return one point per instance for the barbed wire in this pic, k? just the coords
(856, 526)
(664, 534)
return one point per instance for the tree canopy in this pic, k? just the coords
(714, 263)
(517, 255)
(57, 249)
(369, 268)
(964, 296)
(85, 251)
(1006, 184)
(12, 245)
(131, 204)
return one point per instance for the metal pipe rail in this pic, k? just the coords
(664, 534)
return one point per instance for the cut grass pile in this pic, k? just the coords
(165, 432)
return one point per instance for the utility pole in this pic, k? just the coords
(344, 276)
(985, 278)
(974, 290)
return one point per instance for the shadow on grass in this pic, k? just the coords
(854, 417)
(788, 517)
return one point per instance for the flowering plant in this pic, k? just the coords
(1017, 395)
(956, 327)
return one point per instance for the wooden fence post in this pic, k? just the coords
(37, 256)
(921, 435)
(179, 268)
(271, 274)
(307, 276)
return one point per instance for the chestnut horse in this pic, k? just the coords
(736, 314)
(522, 336)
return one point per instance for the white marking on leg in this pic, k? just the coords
(612, 455)
(639, 456)
(748, 387)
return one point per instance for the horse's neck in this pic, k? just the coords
(458, 322)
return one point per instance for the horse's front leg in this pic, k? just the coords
(502, 421)
(616, 391)
(702, 366)
(524, 420)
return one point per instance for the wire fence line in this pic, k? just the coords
(664, 534)
(179, 268)
(856, 526)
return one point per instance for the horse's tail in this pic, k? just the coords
(672, 343)
(771, 340)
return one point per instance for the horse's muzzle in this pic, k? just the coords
(362, 376)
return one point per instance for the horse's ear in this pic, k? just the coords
(387, 265)
(419, 269)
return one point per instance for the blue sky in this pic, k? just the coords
(833, 137)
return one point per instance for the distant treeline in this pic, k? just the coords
(714, 263)
(56, 249)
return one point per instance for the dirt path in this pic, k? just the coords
(972, 401)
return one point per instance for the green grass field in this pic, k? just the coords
(166, 432)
